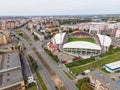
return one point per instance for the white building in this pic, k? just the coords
(112, 67)
(82, 48)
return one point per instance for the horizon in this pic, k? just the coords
(59, 15)
(59, 7)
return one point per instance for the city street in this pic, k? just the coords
(42, 70)
(70, 85)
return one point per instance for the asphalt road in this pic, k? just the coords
(69, 84)
(42, 70)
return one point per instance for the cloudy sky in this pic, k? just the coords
(58, 7)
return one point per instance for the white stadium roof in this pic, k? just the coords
(105, 40)
(113, 65)
(82, 44)
(58, 38)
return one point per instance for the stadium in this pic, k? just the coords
(81, 43)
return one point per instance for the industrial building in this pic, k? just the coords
(112, 67)
(11, 77)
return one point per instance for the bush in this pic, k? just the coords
(84, 84)
(34, 64)
(35, 37)
(112, 50)
(54, 57)
(80, 62)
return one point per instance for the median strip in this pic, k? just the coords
(34, 65)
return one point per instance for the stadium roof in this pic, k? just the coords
(105, 40)
(82, 44)
(113, 66)
(58, 38)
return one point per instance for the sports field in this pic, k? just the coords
(81, 39)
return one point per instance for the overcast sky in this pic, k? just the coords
(58, 7)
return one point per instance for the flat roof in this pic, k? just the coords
(113, 65)
(11, 60)
(13, 77)
(82, 44)
(105, 79)
(101, 76)
(10, 72)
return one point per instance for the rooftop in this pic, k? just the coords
(11, 77)
(82, 45)
(105, 79)
(11, 60)
(113, 65)
(10, 72)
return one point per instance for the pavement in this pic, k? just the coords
(63, 56)
(115, 41)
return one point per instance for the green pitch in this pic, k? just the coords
(81, 39)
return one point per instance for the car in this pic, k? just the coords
(76, 58)
(64, 62)
(83, 73)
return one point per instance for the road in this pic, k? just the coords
(42, 70)
(69, 84)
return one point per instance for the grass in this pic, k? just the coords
(41, 81)
(37, 73)
(23, 35)
(67, 74)
(81, 39)
(104, 70)
(83, 84)
(54, 57)
(32, 86)
(35, 37)
(97, 64)
(80, 62)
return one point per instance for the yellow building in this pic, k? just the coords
(3, 39)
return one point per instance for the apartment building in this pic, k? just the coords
(99, 80)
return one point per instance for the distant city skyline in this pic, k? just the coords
(58, 7)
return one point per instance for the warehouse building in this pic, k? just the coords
(112, 67)
(11, 77)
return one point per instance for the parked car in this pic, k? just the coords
(64, 62)
(76, 58)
